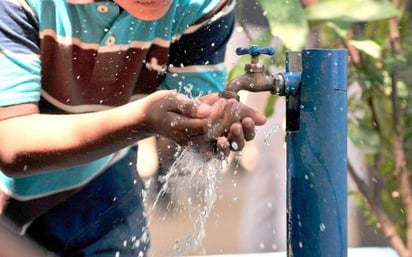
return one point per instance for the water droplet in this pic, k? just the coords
(234, 146)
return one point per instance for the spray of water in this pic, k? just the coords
(268, 133)
(201, 176)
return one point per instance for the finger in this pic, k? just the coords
(179, 124)
(217, 118)
(258, 118)
(236, 137)
(210, 98)
(222, 147)
(226, 112)
(248, 126)
(188, 107)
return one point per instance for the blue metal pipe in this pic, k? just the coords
(288, 83)
(316, 156)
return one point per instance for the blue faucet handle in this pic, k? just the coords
(255, 50)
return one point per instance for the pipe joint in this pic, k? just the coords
(287, 83)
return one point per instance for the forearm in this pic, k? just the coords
(38, 143)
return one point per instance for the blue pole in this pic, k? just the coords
(316, 156)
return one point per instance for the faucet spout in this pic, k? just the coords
(251, 81)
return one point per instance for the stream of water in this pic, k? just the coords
(199, 176)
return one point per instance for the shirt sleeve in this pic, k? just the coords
(19, 58)
(197, 58)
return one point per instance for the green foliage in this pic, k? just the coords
(351, 10)
(287, 20)
(361, 26)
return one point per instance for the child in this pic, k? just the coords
(80, 85)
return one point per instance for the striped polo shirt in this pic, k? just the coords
(76, 56)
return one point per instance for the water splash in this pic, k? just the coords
(201, 176)
(267, 134)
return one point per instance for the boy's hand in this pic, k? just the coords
(177, 117)
(231, 123)
(209, 120)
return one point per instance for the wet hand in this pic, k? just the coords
(177, 117)
(214, 124)
(231, 123)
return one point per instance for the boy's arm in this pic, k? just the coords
(39, 142)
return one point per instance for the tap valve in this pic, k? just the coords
(254, 51)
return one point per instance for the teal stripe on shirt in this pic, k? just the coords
(35, 186)
(195, 83)
(20, 82)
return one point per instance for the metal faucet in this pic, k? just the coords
(256, 79)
